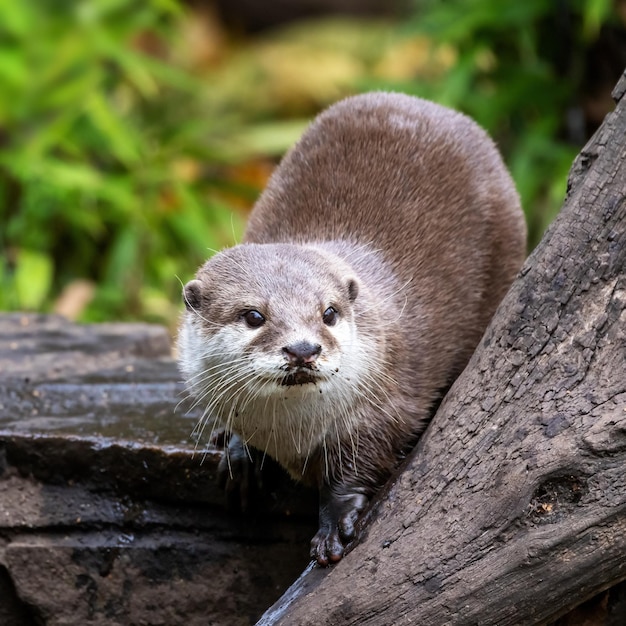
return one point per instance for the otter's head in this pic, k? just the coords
(269, 327)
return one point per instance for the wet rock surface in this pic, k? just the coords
(109, 511)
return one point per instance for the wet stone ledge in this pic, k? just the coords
(108, 512)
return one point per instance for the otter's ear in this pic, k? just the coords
(192, 295)
(353, 289)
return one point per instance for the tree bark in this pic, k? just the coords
(512, 508)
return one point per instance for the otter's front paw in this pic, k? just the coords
(239, 474)
(338, 515)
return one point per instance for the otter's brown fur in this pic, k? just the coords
(399, 216)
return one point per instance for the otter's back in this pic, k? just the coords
(388, 169)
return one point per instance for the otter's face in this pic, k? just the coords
(267, 327)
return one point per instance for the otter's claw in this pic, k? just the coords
(326, 547)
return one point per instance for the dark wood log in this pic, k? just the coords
(512, 508)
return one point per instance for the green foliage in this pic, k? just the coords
(124, 161)
(109, 157)
(518, 71)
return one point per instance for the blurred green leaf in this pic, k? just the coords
(32, 278)
(119, 136)
(121, 262)
(595, 12)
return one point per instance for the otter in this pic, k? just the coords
(370, 268)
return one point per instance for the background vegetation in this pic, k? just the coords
(135, 136)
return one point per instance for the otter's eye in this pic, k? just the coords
(253, 318)
(330, 316)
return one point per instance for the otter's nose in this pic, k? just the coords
(302, 353)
